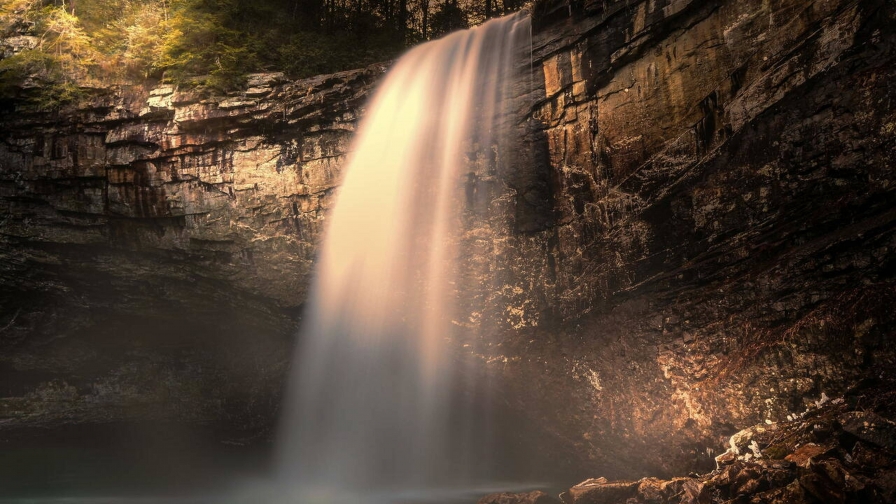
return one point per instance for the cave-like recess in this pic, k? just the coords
(699, 235)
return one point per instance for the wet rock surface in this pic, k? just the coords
(720, 252)
(811, 460)
(697, 234)
(155, 247)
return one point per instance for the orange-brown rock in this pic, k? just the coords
(601, 491)
(698, 235)
(803, 455)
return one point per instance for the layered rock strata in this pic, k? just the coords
(155, 245)
(720, 247)
(697, 233)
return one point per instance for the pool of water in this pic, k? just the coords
(172, 464)
(115, 463)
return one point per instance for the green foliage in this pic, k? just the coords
(16, 14)
(142, 48)
(27, 64)
(305, 54)
(63, 37)
(448, 17)
(198, 48)
(212, 43)
(62, 60)
(42, 77)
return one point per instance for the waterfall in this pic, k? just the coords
(370, 404)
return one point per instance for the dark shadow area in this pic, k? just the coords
(127, 460)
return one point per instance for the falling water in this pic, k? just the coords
(370, 406)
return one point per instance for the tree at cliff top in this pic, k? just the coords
(62, 46)
(58, 47)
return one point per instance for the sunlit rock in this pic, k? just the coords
(702, 241)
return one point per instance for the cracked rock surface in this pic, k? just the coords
(155, 246)
(839, 452)
(719, 250)
(697, 234)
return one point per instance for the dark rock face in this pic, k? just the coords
(721, 252)
(155, 246)
(813, 459)
(698, 234)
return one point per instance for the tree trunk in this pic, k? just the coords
(425, 8)
(402, 19)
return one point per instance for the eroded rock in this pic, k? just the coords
(839, 473)
(697, 235)
(168, 232)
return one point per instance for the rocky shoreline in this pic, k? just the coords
(699, 235)
(838, 451)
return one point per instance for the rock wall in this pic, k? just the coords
(721, 247)
(696, 235)
(155, 245)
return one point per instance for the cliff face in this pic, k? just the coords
(156, 245)
(698, 233)
(721, 252)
